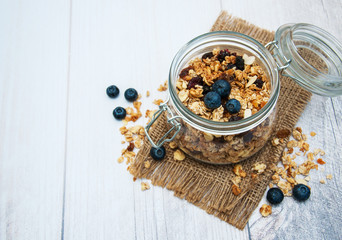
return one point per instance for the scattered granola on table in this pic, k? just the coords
(290, 172)
(265, 210)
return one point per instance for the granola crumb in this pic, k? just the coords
(179, 155)
(147, 93)
(322, 181)
(123, 142)
(145, 186)
(236, 190)
(163, 87)
(283, 133)
(173, 145)
(265, 210)
(158, 101)
(329, 176)
(275, 141)
(239, 171)
(147, 164)
(121, 159)
(259, 167)
(312, 134)
(320, 161)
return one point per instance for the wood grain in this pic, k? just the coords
(33, 80)
(52, 48)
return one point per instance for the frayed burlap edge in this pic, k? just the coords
(204, 185)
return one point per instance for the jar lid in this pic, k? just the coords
(311, 56)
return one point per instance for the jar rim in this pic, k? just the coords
(224, 128)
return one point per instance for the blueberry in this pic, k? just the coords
(112, 91)
(206, 89)
(301, 192)
(158, 153)
(233, 106)
(131, 94)
(119, 113)
(212, 100)
(240, 63)
(222, 87)
(275, 196)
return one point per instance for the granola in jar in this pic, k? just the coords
(238, 88)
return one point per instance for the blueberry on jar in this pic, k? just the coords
(233, 106)
(212, 100)
(222, 87)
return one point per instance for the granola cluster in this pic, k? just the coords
(249, 84)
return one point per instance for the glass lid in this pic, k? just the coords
(311, 56)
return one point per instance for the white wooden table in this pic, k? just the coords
(59, 178)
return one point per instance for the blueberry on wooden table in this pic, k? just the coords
(131, 94)
(158, 153)
(233, 106)
(119, 113)
(112, 91)
(301, 192)
(222, 87)
(275, 196)
(212, 100)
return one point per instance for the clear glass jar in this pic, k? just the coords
(230, 142)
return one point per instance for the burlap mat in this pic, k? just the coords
(209, 186)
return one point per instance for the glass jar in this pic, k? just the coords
(230, 142)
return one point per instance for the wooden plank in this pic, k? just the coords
(270, 15)
(33, 87)
(318, 218)
(130, 44)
